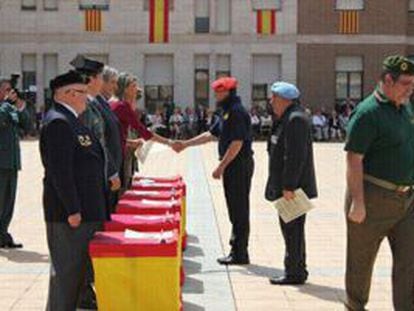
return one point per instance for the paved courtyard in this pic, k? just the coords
(24, 274)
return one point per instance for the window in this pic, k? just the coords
(50, 70)
(201, 80)
(147, 4)
(28, 71)
(158, 81)
(223, 16)
(94, 4)
(223, 66)
(349, 78)
(29, 5)
(266, 71)
(266, 5)
(349, 4)
(202, 16)
(411, 6)
(50, 5)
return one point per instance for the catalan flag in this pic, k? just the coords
(93, 20)
(349, 22)
(159, 21)
(266, 22)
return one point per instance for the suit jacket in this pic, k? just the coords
(74, 168)
(290, 148)
(112, 136)
(11, 120)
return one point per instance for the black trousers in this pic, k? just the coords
(237, 183)
(8, 186)
(71, 266)
(295, 248)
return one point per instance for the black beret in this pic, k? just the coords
(399, 64)
(68, 78)
(86, 65)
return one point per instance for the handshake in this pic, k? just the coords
(178, 145)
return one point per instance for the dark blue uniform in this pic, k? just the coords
(234, 125)
(74, 183)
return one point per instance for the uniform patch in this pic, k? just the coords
(274, 139)
(226, 116)
(84, 140)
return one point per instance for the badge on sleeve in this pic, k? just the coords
(226, 116)
(84, 140)
(274, 139)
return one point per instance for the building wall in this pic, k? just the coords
(383, 17)
(316, 69)
(125, 40)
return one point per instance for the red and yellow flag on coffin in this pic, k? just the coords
(349, 22)
(93, 20)
(159, 21)
(266, 22)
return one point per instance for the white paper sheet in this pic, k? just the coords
(290, 210)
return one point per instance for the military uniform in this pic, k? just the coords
(234, 125)
(384, 134)
(74, 183)
(11, 121)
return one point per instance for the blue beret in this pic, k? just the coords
(285, 90)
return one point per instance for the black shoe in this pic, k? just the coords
(234, 260)
(12, 245)
(286, 281)
(88, 305)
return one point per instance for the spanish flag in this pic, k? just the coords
(93, 20)
(349, 22)
(159, 21)
(266, 22)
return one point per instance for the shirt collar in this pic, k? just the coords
(73, 111)
(383, 99)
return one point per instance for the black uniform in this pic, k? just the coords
(113, 142)
(291, 167)
(74, 182)
(234, 125)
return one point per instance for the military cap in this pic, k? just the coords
(285, 90)
(224, 84)
(68, 78)
(398, 64)
(86, 65)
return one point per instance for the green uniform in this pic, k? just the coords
(11, 120)
(384, 134)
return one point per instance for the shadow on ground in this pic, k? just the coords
(24, 256)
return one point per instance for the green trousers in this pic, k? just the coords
(389, 215)
(8, 186)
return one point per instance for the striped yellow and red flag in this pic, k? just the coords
(349, 22)
(266, 22)
(159, 21)
(93, 20)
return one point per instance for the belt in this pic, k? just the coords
(387, 185)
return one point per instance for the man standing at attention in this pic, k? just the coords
(234, 133)
(13, 116)
(380, 179)
(291, 167)
(74, 191)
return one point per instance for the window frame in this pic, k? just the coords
(102, 7)
(348, 85)
(197, 30)
(153, 104)
(199, 100)
(339, 10)
(51, 9)
(260, 102)
(23, 7)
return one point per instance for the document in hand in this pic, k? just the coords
(142, 153)
(290, 210)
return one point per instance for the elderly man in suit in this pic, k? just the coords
(13, 116)
(74, 190)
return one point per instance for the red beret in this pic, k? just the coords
(224, 84)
